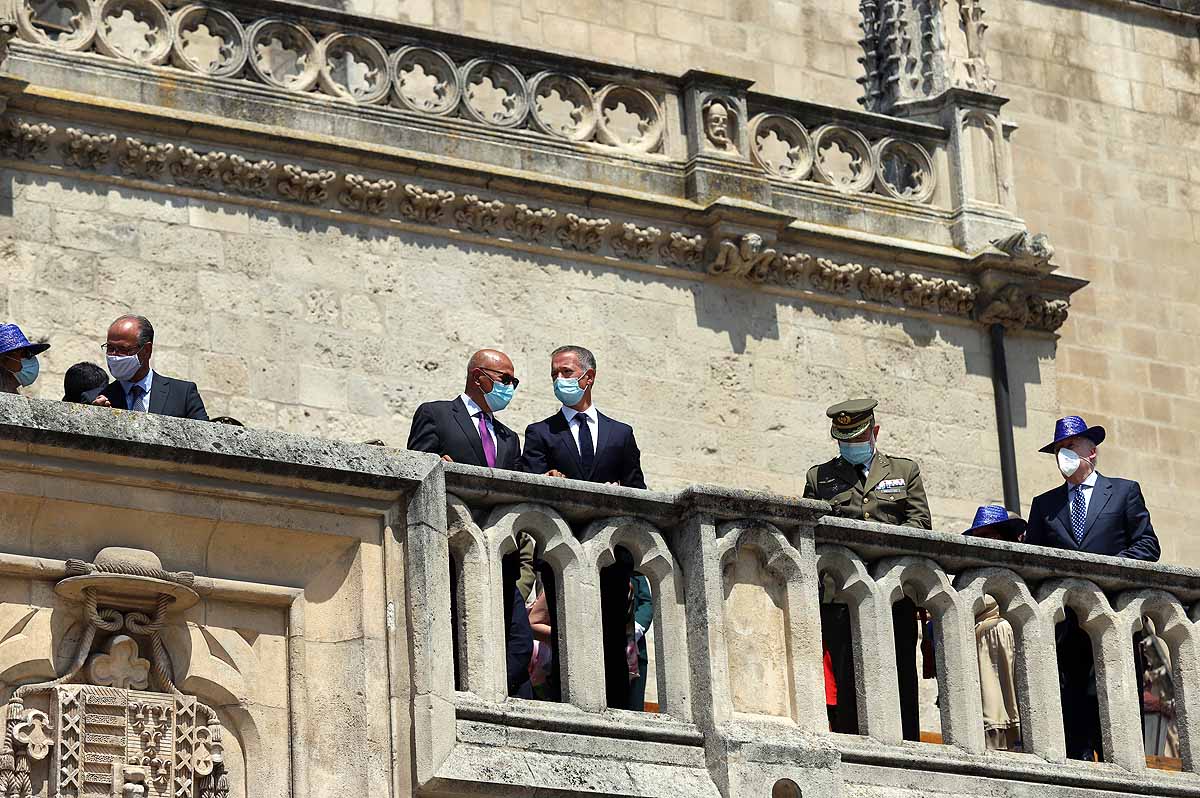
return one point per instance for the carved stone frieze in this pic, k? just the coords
(309, 188)
(747, 257)
(794, 269)
(1047, 314)
(144, 160)
(363, 195)
(528, 224)
(683, 250)
(197, 169)
(87, 150)
(478, 215)
(248, 177)
(835, 278)
(428, 207)
(879, 285)
(1009, 307)
(585, 235)
(23, 140)
(636, 243)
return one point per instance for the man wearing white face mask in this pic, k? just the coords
(865, 484)
(1096, 514)
(135, 386)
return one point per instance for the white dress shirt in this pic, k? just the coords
(1086, 487)
(475, 410)
(591, 416)
(146, 383)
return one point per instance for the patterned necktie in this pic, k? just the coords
(137, 394)
(1078, 513)
(489, 445)
(587, 452)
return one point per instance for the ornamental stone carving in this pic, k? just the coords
(208, 40)
(248, 177)
(23, 140)
(366, 196)
(1047, 314)
(425, 81)
(528, 224)
(747, 257)
(878, 285)
(195, 169)
(781, 146)
(629, 118)
(87, 151)
(64, 24)
(494, 93)
(843, 159)
(636, 243)
(479, 216)
(794, 269)
(719, 125)
(904, 171)
(579, 233)
(683, 250)
(834, 278)
(1009, 307)
(144, 160)
(1027, 250)
(309, 188)
(354, 68)
(428, 207)
(134, 30)
(118, 726)
(563, 106)
(283, 54)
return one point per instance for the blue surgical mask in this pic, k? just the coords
(499, 397)
(568, 391)
(857, 453)
(29, 371)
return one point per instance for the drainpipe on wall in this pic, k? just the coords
(1004, 424)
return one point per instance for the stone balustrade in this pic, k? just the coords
(306, 540)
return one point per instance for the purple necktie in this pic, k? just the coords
(489, 446)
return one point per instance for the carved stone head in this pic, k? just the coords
(716, 125)
(750, 245)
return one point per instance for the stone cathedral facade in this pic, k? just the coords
(983, 213)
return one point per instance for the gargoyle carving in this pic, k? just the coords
(747, 257)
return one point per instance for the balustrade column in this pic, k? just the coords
(1117, 684)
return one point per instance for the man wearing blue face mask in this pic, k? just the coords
(128, 349)
(19, 365)
(868, 485)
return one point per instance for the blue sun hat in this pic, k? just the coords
(993, 521)
(12, 339)
(1070, 427)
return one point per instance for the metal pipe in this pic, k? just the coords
(1004, 423)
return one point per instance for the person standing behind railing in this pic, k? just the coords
(19, 365)
(868, 485)
(995, 644)
(1096, 514)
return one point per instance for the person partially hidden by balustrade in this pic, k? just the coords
(83, 382)
(1091, 513)
(995, 643)
(19, 365)
(866, 484)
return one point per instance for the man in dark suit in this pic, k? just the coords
(465, 430)
(135, 386)
(1096, 514)
(578, 441)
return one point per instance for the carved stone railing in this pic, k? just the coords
(736, 630)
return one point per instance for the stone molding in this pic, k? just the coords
(714, 250)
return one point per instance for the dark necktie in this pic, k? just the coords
(136, 393)
(485, 437)
(1078, 513)
(587, 452)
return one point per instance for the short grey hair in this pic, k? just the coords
(586, 358)
(145, 328)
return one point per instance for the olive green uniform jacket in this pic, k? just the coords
(892, 494)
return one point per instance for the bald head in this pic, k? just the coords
(492, 359)
(485, 369)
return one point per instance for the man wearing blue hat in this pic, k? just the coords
(1096, 514)
(19, 365)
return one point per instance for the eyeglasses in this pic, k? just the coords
(110, 349)
(505, 378)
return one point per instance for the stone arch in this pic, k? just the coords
(474, 652)
(556, 544)
(780, 561)
(654, 559)
(927, 584)
(983, 138)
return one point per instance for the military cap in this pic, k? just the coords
(851, 419)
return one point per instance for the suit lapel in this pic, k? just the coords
(1063, 516)
(1101, 493)
(566, 439)
(881, 466)
(467, 425)
(604, 427)
(160, 387)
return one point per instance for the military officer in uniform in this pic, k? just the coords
(864, 483)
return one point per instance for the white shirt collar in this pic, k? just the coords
(145, 382)
(473, 408)
(591, 413)
(1089, 482)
